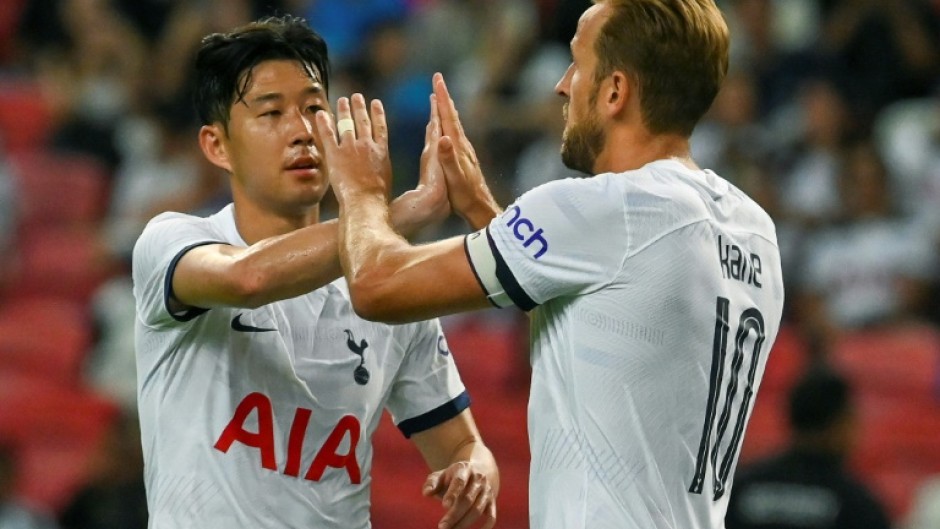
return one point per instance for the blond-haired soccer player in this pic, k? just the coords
(654, 285)
(259, 387)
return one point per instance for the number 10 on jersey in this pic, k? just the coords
(750, 330)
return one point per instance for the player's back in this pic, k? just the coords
(644, 377)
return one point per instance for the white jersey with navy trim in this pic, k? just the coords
(658, 295)
(263, 418)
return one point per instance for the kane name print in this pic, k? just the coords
(737, 264)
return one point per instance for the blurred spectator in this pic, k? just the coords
(96, 68)
(731, 136)
(806, 486)
(114, 497)
(15, 514)
(775, 49)
(346, 24)
(873, 266)
(811, 160)
(881, 51)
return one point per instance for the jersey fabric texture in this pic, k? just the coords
(657, 294)
(263, 418)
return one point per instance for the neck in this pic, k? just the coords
(628, 149)
(255, 222)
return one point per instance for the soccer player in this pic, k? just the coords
(259, 387)
(654, 286)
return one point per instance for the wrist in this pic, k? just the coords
(349, 194)
(481, 211)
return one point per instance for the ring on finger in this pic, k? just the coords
(345, 125)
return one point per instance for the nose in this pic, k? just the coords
(563, 84)
(302, 129)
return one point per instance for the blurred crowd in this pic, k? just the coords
(829, 118)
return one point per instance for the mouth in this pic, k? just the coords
(303, 166)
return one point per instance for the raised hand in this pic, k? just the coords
(469, 195)
(357, 159)
(466, 494)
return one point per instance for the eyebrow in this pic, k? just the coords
(314, 90)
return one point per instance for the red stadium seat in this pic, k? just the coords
(25, 116)
(59, 188)
(898, 361)
(58, 431)
(47, 337)
(60, 261)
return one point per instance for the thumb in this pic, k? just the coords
(447, 153)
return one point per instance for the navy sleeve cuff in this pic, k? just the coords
(442, 413)
(168, 285)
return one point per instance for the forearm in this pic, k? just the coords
(307, 259)
(289, 265)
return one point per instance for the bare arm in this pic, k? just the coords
(289, 265)
(465, 475)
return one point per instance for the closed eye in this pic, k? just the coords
(273, 113)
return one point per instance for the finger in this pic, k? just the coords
(450, 118)
(343, 118)
(490, 515)
(482, 506)
(324, 124)
(463, 507)
(458, 482)
(432, 485)
(447, 155)
(379, 123)
(433, 130)
(361, 116)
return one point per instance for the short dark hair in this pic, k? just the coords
(819, 399)
(225, 61)
(676, 51)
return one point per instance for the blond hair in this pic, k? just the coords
(675, 51)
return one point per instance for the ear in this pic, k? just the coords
(617, 92)
(213, 145)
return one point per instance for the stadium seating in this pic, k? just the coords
(58, 430)
(25, 117)
(46, 337)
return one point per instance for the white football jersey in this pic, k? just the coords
(263, 418)
(657, 296)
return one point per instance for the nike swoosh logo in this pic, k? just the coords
(241, 327)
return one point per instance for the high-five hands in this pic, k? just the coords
(357, 159)
(467, 191)
(465, 493)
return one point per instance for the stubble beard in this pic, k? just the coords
(581, 143)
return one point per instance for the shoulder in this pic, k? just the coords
(172, 220)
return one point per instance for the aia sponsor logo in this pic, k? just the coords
(328, 456)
